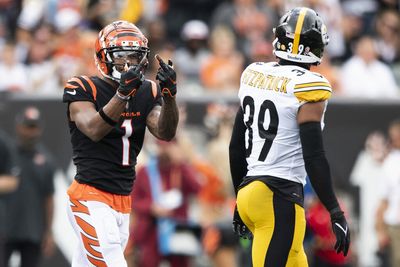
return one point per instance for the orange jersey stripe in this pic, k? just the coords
(77, 81)
(92, 85)
(70, 86)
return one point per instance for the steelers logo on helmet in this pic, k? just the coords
(119, 45)
(301, 35)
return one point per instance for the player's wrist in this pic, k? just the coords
(121, 96)
(336, 212)
(168, 93)
(106, 118)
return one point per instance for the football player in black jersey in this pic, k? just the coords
(107, 118)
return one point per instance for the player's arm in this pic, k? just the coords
(163, 121)
(96, 124)
(317, 167)
(238, 166)
(90, 122)
(237, 151)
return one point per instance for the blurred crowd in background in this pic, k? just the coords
(43, 43)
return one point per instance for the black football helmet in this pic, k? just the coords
(300, 36)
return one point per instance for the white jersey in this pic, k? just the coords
(270, 96)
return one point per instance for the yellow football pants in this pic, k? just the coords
(278, 227)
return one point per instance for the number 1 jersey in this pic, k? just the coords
(270, 96)
(109, 164)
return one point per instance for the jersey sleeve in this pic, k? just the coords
(313, 89)
(79, 89)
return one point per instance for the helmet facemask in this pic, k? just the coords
(120, 60)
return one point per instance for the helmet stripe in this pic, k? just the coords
(297, 32)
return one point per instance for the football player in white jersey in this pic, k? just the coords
(276, 142)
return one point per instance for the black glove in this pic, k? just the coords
(131, 80)
(239, 227)
(166, 76)
(342, 232)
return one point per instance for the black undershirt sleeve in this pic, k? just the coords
(317, 165)
(237, 151)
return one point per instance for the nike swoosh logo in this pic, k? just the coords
(341, 228)
(129, 81)
(73, 92)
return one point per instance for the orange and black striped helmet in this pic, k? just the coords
(116, 37)
(301, 36)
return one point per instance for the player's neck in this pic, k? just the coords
(302, 65)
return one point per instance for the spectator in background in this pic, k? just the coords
(12, 73)
(99, 13)
(324, 254)
(30, 207)
(41, 69)
(221, 70)
(352, 28)
(86, 65)
(330, 72)
(162, 190)
(157, 32)
(365, 174)
(194, 52)
(364, 76)
(178, 12)
(67, 51)
(388, 212)
(247, 19)
(8, 183)
(219, 121)
(387, 29)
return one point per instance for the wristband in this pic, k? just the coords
(107, 119)
(123, 97)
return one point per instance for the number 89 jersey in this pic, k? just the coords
(270, 96)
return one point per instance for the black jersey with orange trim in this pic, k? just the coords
(109, 164)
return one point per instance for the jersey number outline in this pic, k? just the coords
(267, 134)
(127, 124)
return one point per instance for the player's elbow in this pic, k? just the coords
(95, 135)
(167, 134)
(167, 137)
(95, 138)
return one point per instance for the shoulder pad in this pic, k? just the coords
(312, 88)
